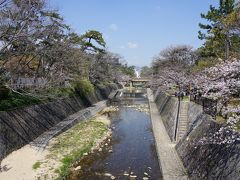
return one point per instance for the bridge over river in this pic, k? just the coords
(139, 82)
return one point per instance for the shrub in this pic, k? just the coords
(4, 92)
(101, 85)
(84, 87)
(112, 86)
(57, 92)
(16, 100)
(36, 165)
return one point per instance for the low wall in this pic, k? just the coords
(194, 113)
(202, 161)
(168, 107)
(209, 161)
(21, 126)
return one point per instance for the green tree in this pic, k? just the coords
(146, 72)
(86, 40)
(218, 34)
(128, 70)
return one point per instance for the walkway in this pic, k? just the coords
(171, 165)
(19, 164)
(42, 141)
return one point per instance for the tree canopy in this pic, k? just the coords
(221, 33)
(36, 43)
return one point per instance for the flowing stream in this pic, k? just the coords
(131, 152)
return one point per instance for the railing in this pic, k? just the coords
(25, 83)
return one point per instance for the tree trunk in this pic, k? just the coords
(227, 46)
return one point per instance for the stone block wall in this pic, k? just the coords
(167, 107)
(20, 126)
(202, 161)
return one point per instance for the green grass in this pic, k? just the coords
(68, 160)
(71, 145)
(60, 92)
(54, 93)
(36, 165)
(17, 100)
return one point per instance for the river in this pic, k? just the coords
(131, 152)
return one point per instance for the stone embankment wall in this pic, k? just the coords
(21, 126)
(168, 108)
(202, 161)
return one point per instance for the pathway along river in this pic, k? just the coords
(131, 153)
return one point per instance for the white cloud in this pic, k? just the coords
(113, 27)
(122, 47)
(132, 45)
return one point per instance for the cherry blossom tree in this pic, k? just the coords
(222, 83)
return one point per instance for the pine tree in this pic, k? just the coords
(218, 34)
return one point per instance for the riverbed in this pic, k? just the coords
(130, 153)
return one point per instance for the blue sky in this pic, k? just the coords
(137, 29)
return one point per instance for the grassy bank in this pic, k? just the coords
(12, 99)
(15, 100)
(22, 99)
(70, 146)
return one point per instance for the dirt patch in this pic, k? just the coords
(29, 163)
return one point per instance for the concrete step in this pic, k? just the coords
(182, 127)
(183, 124)
(181, 133)
(183, 120)
(181, 114)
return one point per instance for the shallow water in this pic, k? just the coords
(130, 151)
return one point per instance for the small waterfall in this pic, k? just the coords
(137, 72)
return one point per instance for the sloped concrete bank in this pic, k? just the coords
(168, 108)
(20, 126)
(202, 161)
